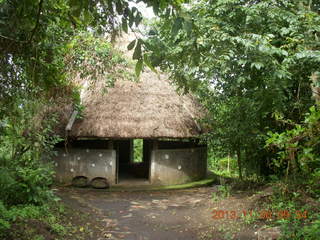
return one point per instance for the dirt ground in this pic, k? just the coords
(164, 215)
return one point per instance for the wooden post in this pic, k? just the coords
(71, 120)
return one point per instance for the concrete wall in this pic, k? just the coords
(178, 166)
(90, 163)
(167, 166)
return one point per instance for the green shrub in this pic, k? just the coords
(298, 147)
(22, 185)
(295, 229)
(9, 215)
(312, 231)
(48, 214)
(4, 217)
(24, 176)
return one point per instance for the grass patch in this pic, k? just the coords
(201, 183)
(52, 221)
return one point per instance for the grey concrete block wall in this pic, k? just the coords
(90, 163)
(178, 166)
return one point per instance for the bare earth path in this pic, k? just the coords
(157, 215)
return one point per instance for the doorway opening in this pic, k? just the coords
(133, 161)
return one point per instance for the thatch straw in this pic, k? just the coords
(150, 108)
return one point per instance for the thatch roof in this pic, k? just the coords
(150, 108)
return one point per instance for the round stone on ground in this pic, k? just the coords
(80, 181)
(99, 182)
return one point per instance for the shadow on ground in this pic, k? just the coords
(161, 215)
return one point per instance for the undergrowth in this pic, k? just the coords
(31, 222)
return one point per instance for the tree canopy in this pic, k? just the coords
(248, 61)
(44, 44)
(35, 35)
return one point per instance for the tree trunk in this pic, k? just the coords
(314, 88)
(239, 162)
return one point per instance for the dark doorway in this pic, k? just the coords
(133, 160)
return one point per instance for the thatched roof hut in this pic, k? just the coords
(150, 108)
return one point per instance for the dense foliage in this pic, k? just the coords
(34, 36)
(248, 61)
(44, 44)
(25, 175)
(298, 149)
(255, 67)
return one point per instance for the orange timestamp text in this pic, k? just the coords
(263, 214)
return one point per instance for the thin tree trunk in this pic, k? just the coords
(314, 88)
(239, 162)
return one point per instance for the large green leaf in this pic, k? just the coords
(124, 25)
(132, 44)
(137, 51)
(138, 67)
